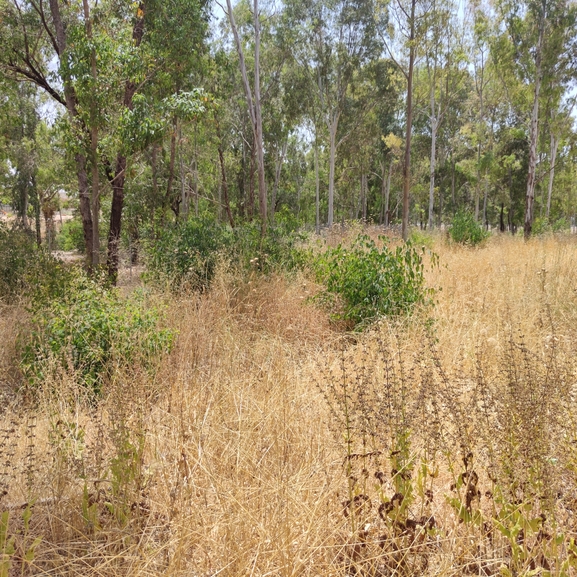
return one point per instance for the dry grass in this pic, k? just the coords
(230, 462)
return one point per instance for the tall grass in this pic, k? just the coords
(269, 444)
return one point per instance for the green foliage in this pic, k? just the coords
(278, 250)
(71, 236)
(185, 256)
(546, 226)
(90, 329)
(365, 282)
(466, 230)
(26, 269)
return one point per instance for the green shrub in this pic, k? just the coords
(542, 225)
(185, 256)
(90, 329)
(279, 250)
(466, 230)
(71, 236)
(27, 270)
(365, 282)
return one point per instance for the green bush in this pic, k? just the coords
(542, 225)
(27, 270)
(365, 282)
(90, 329)
(466, 230)
(185, 256)
(279, 250)
(71, 236)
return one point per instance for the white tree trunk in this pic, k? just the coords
(554, 146)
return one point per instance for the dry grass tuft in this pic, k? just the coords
(269, 444)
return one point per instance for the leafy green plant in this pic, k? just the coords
(278, 250)
(365, 282)
(71, 236)
(186, 256)
(91, 328)
(25, 268)
(466, 230)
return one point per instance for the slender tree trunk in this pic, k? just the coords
(121, 161)
(223, 172)
(434, 128)
(452, 180)
(409, 129)
(277, 173)
(383, 188)
(80, 158)
(317, 189)
(534, 133)
(478, 183)
(388, 195)
(254, 105)
(333, 126)
(95, 196)
(224, 185)
(485, 198)
(173, 203)
(184, 194)
(554, 146)
(37, 210)
(364, 187)
(250, 211)
(262, 193)
(441, 205)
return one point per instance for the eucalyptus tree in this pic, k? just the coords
(445, 65)
(404, 40)
(541, 44)
(333, 40)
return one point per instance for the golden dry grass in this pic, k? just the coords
(229, 461)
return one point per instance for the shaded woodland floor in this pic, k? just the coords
(270, 443)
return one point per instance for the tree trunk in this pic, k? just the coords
(184, 194)
(317, 189)
(173, 203)
(80, 159)
(554, 146)
(531, 178)
(250, 211)
(388, 195)
(364, 187)
(434, 128)
(262, 194)
(254, 105)
(485, 198)
(333, 126)
(277, 173)
(409, 120)
(95, 197)
(120, 170)
(478, 183)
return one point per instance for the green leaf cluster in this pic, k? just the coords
(365, 282)
(91, 329)
(185, 256)
(466, 230)
(27, 270)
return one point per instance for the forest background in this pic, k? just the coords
(143, 114)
